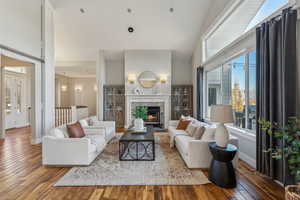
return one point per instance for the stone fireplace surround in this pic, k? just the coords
(162, 101)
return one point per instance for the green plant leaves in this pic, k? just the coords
(140, 112)
(290, 134)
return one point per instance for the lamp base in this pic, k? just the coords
(221, 136)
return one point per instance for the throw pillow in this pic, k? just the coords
(183, 124)
(199, 132)
(56, 133)
(190, 130)
(75, 130)
(209, 134)
(84, 123)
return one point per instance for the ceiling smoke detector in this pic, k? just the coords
(130, 29)
(171, 10)
(129, 10)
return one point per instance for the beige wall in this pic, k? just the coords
(86, 97)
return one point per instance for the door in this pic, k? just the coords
(15, 101)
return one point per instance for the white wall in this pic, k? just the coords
(114, 72)
(87, 97)
(21, 25)
(156, 61)
(182, 71)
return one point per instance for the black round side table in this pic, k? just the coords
(221, 170)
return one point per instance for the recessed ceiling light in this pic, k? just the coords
(130, 29)
(82, 10)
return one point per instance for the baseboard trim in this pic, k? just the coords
(247, 159)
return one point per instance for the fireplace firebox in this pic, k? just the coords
(153, 116)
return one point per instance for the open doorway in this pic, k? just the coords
(17, 96)
(20, 95)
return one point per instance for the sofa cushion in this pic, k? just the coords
(182, 142)
(183, 124)
(188, 118)
(84, 123)
(57, 133)
(190, 130)
(75, 130)
(209, 133)
(93, 121)
(199, 132)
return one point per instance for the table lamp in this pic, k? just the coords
(221, 114)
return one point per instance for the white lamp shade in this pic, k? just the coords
(221, 113)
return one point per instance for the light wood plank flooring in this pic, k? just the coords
(22, 176)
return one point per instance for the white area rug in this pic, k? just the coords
(107, 170)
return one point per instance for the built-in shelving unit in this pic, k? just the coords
(182, 101)
(114, 104)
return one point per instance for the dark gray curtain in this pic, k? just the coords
(200, 93)
(276, 86)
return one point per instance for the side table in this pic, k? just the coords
(221, 170)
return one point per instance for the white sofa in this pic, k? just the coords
(60, 150)
(107, 127)
(195, 153)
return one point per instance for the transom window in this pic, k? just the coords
(244, 15)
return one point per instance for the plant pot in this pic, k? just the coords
(138, 124)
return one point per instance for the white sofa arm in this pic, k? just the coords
(199, 153)
(70, 150)
(173, 123)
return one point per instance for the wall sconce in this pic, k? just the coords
(131, 78)
(78, 88)
(64, 88)
(163, 78)
(95, 88)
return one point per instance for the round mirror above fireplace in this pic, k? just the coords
(148, 79)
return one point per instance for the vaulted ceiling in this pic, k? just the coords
(104, 24)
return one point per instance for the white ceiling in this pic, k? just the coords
(104, 26)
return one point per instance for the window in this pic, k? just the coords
(252, 92)
(242, 16)
(235, 83)
(213, 88)
(268, 7)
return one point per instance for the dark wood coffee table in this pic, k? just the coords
(137, 146)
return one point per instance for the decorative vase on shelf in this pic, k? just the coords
(139, 124)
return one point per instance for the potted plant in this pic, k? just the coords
(140, 114)
(291, 151)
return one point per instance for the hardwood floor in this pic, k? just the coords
(23, 177)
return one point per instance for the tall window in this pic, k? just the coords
(252, 92)
(213, 88)
(238, 97)
(235, 83)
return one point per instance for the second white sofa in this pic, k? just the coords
(195, 153)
